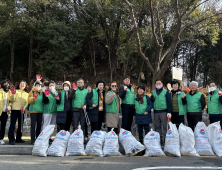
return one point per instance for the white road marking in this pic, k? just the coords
(179, 167)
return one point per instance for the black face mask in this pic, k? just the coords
(6, 88)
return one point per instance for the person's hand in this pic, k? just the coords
(57, 97)
(168, 116)
(114, 94)
(22, 110)
(184, 95)
(93, 105)
(8, 109)
(13, 91)
(83, 107)
(125, 88)
(146, 113)
(38, 77)
(74, 86)
(219, 93)
(47, 92)
(35, 95)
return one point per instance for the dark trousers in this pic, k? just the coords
(193, 120)
(79, 117)
(69, 117)
(127, 117)
(100, 119)
(35, 118)
(15, 114)
(177, 119)
(146, 127)
(3, 119)
(86, 130)
(94, 126)
(115, 130)
(61, 127)
(216, 119)
(97, 125)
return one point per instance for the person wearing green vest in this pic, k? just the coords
(64, 108)
(78, 96)
(195, 104)
(127, 94)
(143, 106)
(162, 109)
(179, 102)
(97, 108)
(50, 106)
(214, 108)
(112, 107)
(35, 100)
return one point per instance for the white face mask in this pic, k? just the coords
(52, 88)
(66, 88)
(212, 88)
(38, 88)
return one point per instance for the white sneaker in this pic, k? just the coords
(2, 142)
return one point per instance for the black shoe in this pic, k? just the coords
(11, 143)
(50, 141)
(20, 141)
(32, 143)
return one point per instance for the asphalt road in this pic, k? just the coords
(18, 162)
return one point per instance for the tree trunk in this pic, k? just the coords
(12, 54)
(93, 57)
(30, 55)
(138, 81)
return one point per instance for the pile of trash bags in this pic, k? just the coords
(204, 141)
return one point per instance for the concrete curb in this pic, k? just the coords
(16, 149)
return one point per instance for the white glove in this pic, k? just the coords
(169, 115)
(125, 88)
(9, 108)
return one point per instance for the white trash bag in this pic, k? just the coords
(111, 145)
(172, 142)
(202, 144)
(76, 143)
(59, 145)
(95, 145)
(152, 144)
(129, 143)
(187, 141)
(215, 136)
(42, 142)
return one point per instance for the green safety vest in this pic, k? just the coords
(193, 102)
(214, 105)
(80, 98)
(141, 107)
(112, 108)
(160, 102)
(51, 106)
(129, 97)
(37, 106)
(60, 107)
(182, 108)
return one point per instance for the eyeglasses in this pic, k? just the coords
(114, 86)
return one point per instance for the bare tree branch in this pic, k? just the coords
(188, 6)
(146, 59)
(197, 22)
(194, 7)
(152, 24)
(159, 27)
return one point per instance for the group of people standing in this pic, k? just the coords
(71, 104)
